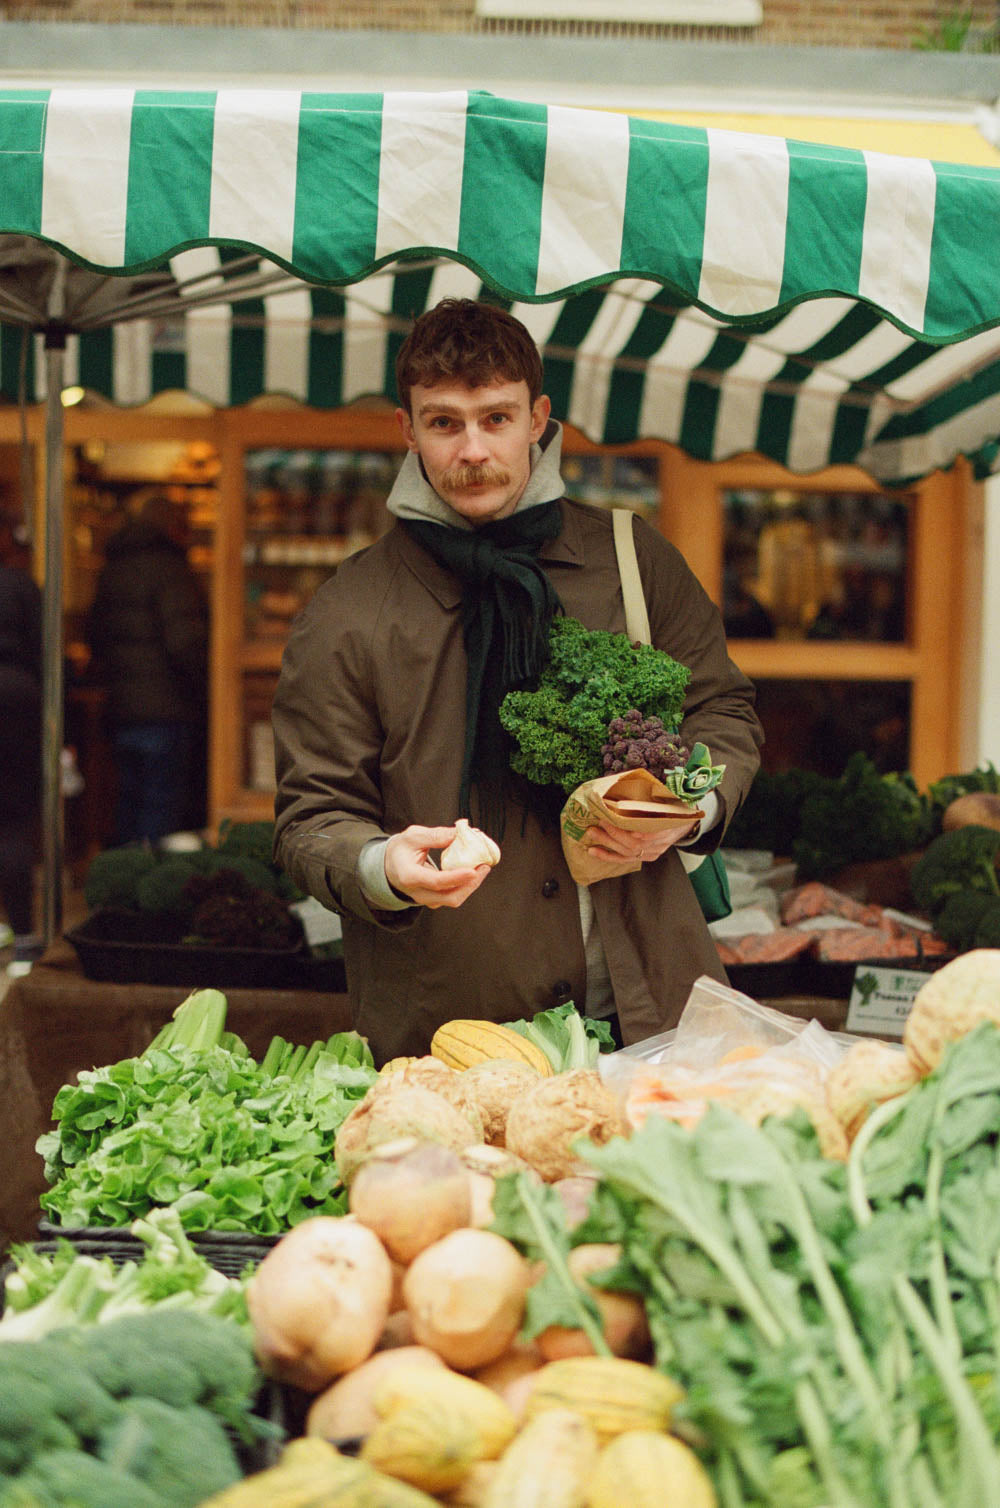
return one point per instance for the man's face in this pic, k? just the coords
(475, 442)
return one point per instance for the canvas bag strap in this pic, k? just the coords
(636, 616)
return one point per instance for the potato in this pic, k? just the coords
(319, 1301)
(545, 1121)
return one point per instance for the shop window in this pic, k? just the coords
(806, 565)
(306, 510)
(614, 481)
(819, 724)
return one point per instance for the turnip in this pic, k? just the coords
(623, 1315)
(319, 1301)
(411, 1193)
(465, 1295)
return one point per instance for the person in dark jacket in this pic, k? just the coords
(20, 744)
(148, 636)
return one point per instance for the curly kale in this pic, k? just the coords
(862, 815)
(255, 841)
(592, 678)
(954, 862)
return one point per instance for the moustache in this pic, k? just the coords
(475, 476)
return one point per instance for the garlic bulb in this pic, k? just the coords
(469, 847)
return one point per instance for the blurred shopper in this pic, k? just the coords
(20, 744)
(148, 636)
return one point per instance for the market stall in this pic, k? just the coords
(826, 305)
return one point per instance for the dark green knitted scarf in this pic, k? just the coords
(508, 604)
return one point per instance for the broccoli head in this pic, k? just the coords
(959, 917)
(963, 859)
(113, 874)
(162, 889)
(182, 1455)
(770, 816)
(73, 1479)
(591, 678)
(987, 934)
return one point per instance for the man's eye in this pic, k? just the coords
(440, 422)
(499, 418)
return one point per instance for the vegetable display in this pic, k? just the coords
(196, 1123)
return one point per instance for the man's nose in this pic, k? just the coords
(474, 449)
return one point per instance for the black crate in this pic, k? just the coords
(111, 947)
(230, 1252)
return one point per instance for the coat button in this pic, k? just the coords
(550, 888)
(562, 991)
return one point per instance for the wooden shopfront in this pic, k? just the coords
(278, 494)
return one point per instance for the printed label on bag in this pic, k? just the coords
(881, 999)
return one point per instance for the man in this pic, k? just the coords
(386, 726)
(148, 632)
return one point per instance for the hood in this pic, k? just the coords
(138, 536)
(412, 495)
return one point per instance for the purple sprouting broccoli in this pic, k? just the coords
(636, 742)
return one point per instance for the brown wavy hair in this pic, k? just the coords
(462, 340)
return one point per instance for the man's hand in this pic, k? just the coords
(410, 869)
(613, 844)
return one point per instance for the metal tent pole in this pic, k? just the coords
(52, 641)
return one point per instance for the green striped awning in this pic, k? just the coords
(724, 291)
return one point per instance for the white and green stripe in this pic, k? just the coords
(726, 292)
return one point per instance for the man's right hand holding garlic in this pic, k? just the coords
(467, 858)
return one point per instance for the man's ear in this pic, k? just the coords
(406, 425)
(540, 411)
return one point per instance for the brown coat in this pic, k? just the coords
(369, 721)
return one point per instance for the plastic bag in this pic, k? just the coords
(726, 1047)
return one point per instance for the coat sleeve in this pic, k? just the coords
(719, 704)
(328, 745)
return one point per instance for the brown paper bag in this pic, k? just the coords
(634, 800)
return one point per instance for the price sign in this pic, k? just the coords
(881, 999)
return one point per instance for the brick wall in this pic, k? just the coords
(836, 23)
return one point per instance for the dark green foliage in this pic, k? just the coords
(112, 875)
(162, 889)
(987, 934)
(963, 859)
(942, 792)
(771, 814)
(592, 677)
(862, 815)
(960, 914)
